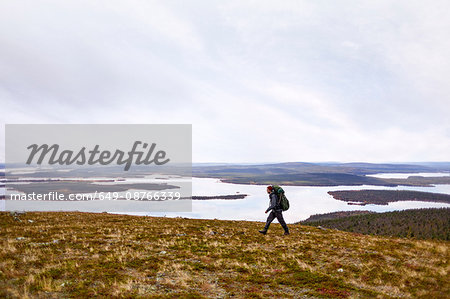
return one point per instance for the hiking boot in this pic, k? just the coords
(286, 233)
(264, 231)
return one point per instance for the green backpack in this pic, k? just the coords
(284, 202)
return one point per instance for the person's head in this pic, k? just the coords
(269, 189)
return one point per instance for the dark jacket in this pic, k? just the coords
(273, 203)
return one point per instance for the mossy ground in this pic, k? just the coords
(102, 255)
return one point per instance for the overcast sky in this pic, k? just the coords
(260, 81)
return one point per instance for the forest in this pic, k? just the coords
(417, 223)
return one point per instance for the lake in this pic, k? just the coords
(304, 201)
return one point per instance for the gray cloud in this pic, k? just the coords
(348, 81)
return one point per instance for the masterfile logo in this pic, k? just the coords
(117, 168)
(95, 156)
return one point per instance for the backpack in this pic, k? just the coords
(283, 201)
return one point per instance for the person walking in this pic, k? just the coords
(275, 211)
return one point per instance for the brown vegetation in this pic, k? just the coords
(74, 255)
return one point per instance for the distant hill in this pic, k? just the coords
(362, 168)
(301, 179)
(444, 166)
(302, 167)
(320, 174)
(420, 223)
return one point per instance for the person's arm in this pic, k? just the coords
(273, 202)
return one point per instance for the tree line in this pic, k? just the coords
(417, 223)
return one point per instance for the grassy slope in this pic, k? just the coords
(80, 254)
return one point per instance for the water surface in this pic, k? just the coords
(304, 201)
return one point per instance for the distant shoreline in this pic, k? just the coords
(326, 180)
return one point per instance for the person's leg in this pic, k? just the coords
(269, 220)
(280, 218)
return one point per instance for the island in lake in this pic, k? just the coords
(383, 197)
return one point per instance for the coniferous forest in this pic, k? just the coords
(417, 223)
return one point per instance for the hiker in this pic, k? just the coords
(276, 211)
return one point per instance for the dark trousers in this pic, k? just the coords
(276, 214)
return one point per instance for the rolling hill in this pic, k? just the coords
(74, 255)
